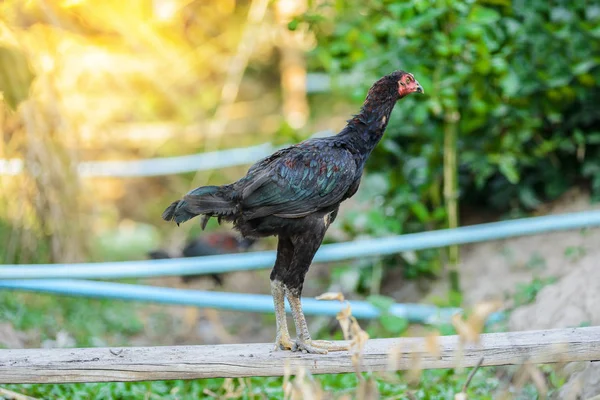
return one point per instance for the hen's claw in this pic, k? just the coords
(307, 347)
(284, 343)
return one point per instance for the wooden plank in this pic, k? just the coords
(243, 360)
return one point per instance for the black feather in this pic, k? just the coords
(169, 213)
(204, 221)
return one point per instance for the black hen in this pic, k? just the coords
(208, 245)
(295, 194)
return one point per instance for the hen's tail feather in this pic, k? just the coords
(205, 200)
(209, 200)
(178, 212)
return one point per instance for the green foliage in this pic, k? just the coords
(521, 77)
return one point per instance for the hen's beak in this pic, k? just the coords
(419, 88)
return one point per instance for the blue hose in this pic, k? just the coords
(416, 313)
(176, 165)
(327, 253)
(163, 165)
(158, 166)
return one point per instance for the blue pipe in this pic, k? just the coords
(176, 165)
(417, 313)
(163, 165)
(327, 253)
(158, 166)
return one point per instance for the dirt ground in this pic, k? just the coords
(494, 270)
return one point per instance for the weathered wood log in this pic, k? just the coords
(243, 360)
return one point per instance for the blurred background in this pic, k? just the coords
(509, 127)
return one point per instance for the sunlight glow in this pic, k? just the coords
(165, 10)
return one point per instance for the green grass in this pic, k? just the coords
(527, 293)
(440, 384)
(434, 385)
(166, 390)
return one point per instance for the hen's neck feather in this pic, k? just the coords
(366, 129)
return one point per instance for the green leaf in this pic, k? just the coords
(377, 220)
(499, 65)
(584, 66)
(455, 299)
(593, 138)
(528, 198)
(420, 113)
(397, 9)
(420, 211)
(560, 14)
(483, 66)
(558, 81)
(293, 24)
(509, 170)
(592, 12)
(394, 324)
(382, 303)
(506, 3)
(484, 15)
(510, 83)
(439, 214)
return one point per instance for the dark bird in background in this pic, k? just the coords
(208, 245)
(295, 194)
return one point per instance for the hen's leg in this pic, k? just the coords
(284, 254)
(305, 246)
(304, 342)
(282, 339)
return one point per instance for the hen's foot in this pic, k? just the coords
(307, 347)
(317, 346)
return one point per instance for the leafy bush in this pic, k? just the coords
(516, 82)
(519, 79)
